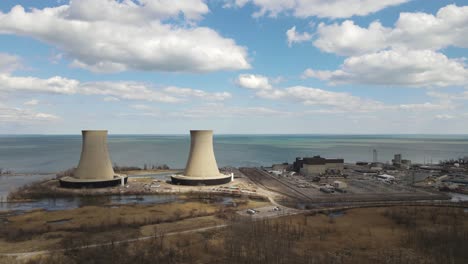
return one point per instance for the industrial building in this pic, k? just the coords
(317, 165)
(95, 167)
(201, 168)
(401, 163)
(281, 167)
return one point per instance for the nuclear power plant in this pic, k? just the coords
(95, 167)
(201, 168)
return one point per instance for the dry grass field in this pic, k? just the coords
(42, 230)
(390, 235)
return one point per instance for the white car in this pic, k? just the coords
(251, 211)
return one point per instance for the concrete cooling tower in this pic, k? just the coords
(201, 168)
(95, 167)
(94, 161)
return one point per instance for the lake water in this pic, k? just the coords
(11, 183)
(52, 153)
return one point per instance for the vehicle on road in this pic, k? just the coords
(251, 211)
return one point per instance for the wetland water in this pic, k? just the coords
(10, 183)
(58, 204)
(55, 204)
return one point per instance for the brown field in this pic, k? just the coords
(42, 230)
(370, 235)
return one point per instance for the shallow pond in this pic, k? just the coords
(10, 183)
(75, 202)
(336, 214)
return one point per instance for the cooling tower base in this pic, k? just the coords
(70, 182)
(194, 181)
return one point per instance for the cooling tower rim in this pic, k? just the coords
(201, 131)
(214, 177)
(94, 130)
(76, 180)
(71, 182)
(194, 181)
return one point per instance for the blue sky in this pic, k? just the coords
(235, 66)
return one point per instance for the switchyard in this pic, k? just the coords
(363, 189)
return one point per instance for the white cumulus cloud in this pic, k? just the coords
(449, 27)
(253, 81)
(307, 95)
(18, 115)
(444, 116)
(221, 110)
(136, 11)
(296, 37)
(188, 92)
(318, 8)
(32, 102)
(115, 36)
(350, 39)
(111, 91)
(417, 68)
(9, 63)
(330, 102)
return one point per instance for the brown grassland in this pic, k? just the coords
(369, 235)
(43, 230)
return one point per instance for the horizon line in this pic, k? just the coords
(247, 134)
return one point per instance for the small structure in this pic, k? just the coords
(95, 167)
(276, 172)
(401, 163)
(318, 165)
(396, 159)
(326, 188)
(281, 167)
(340, 185)
(201, 166)
(376, 166)
(386, 178)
